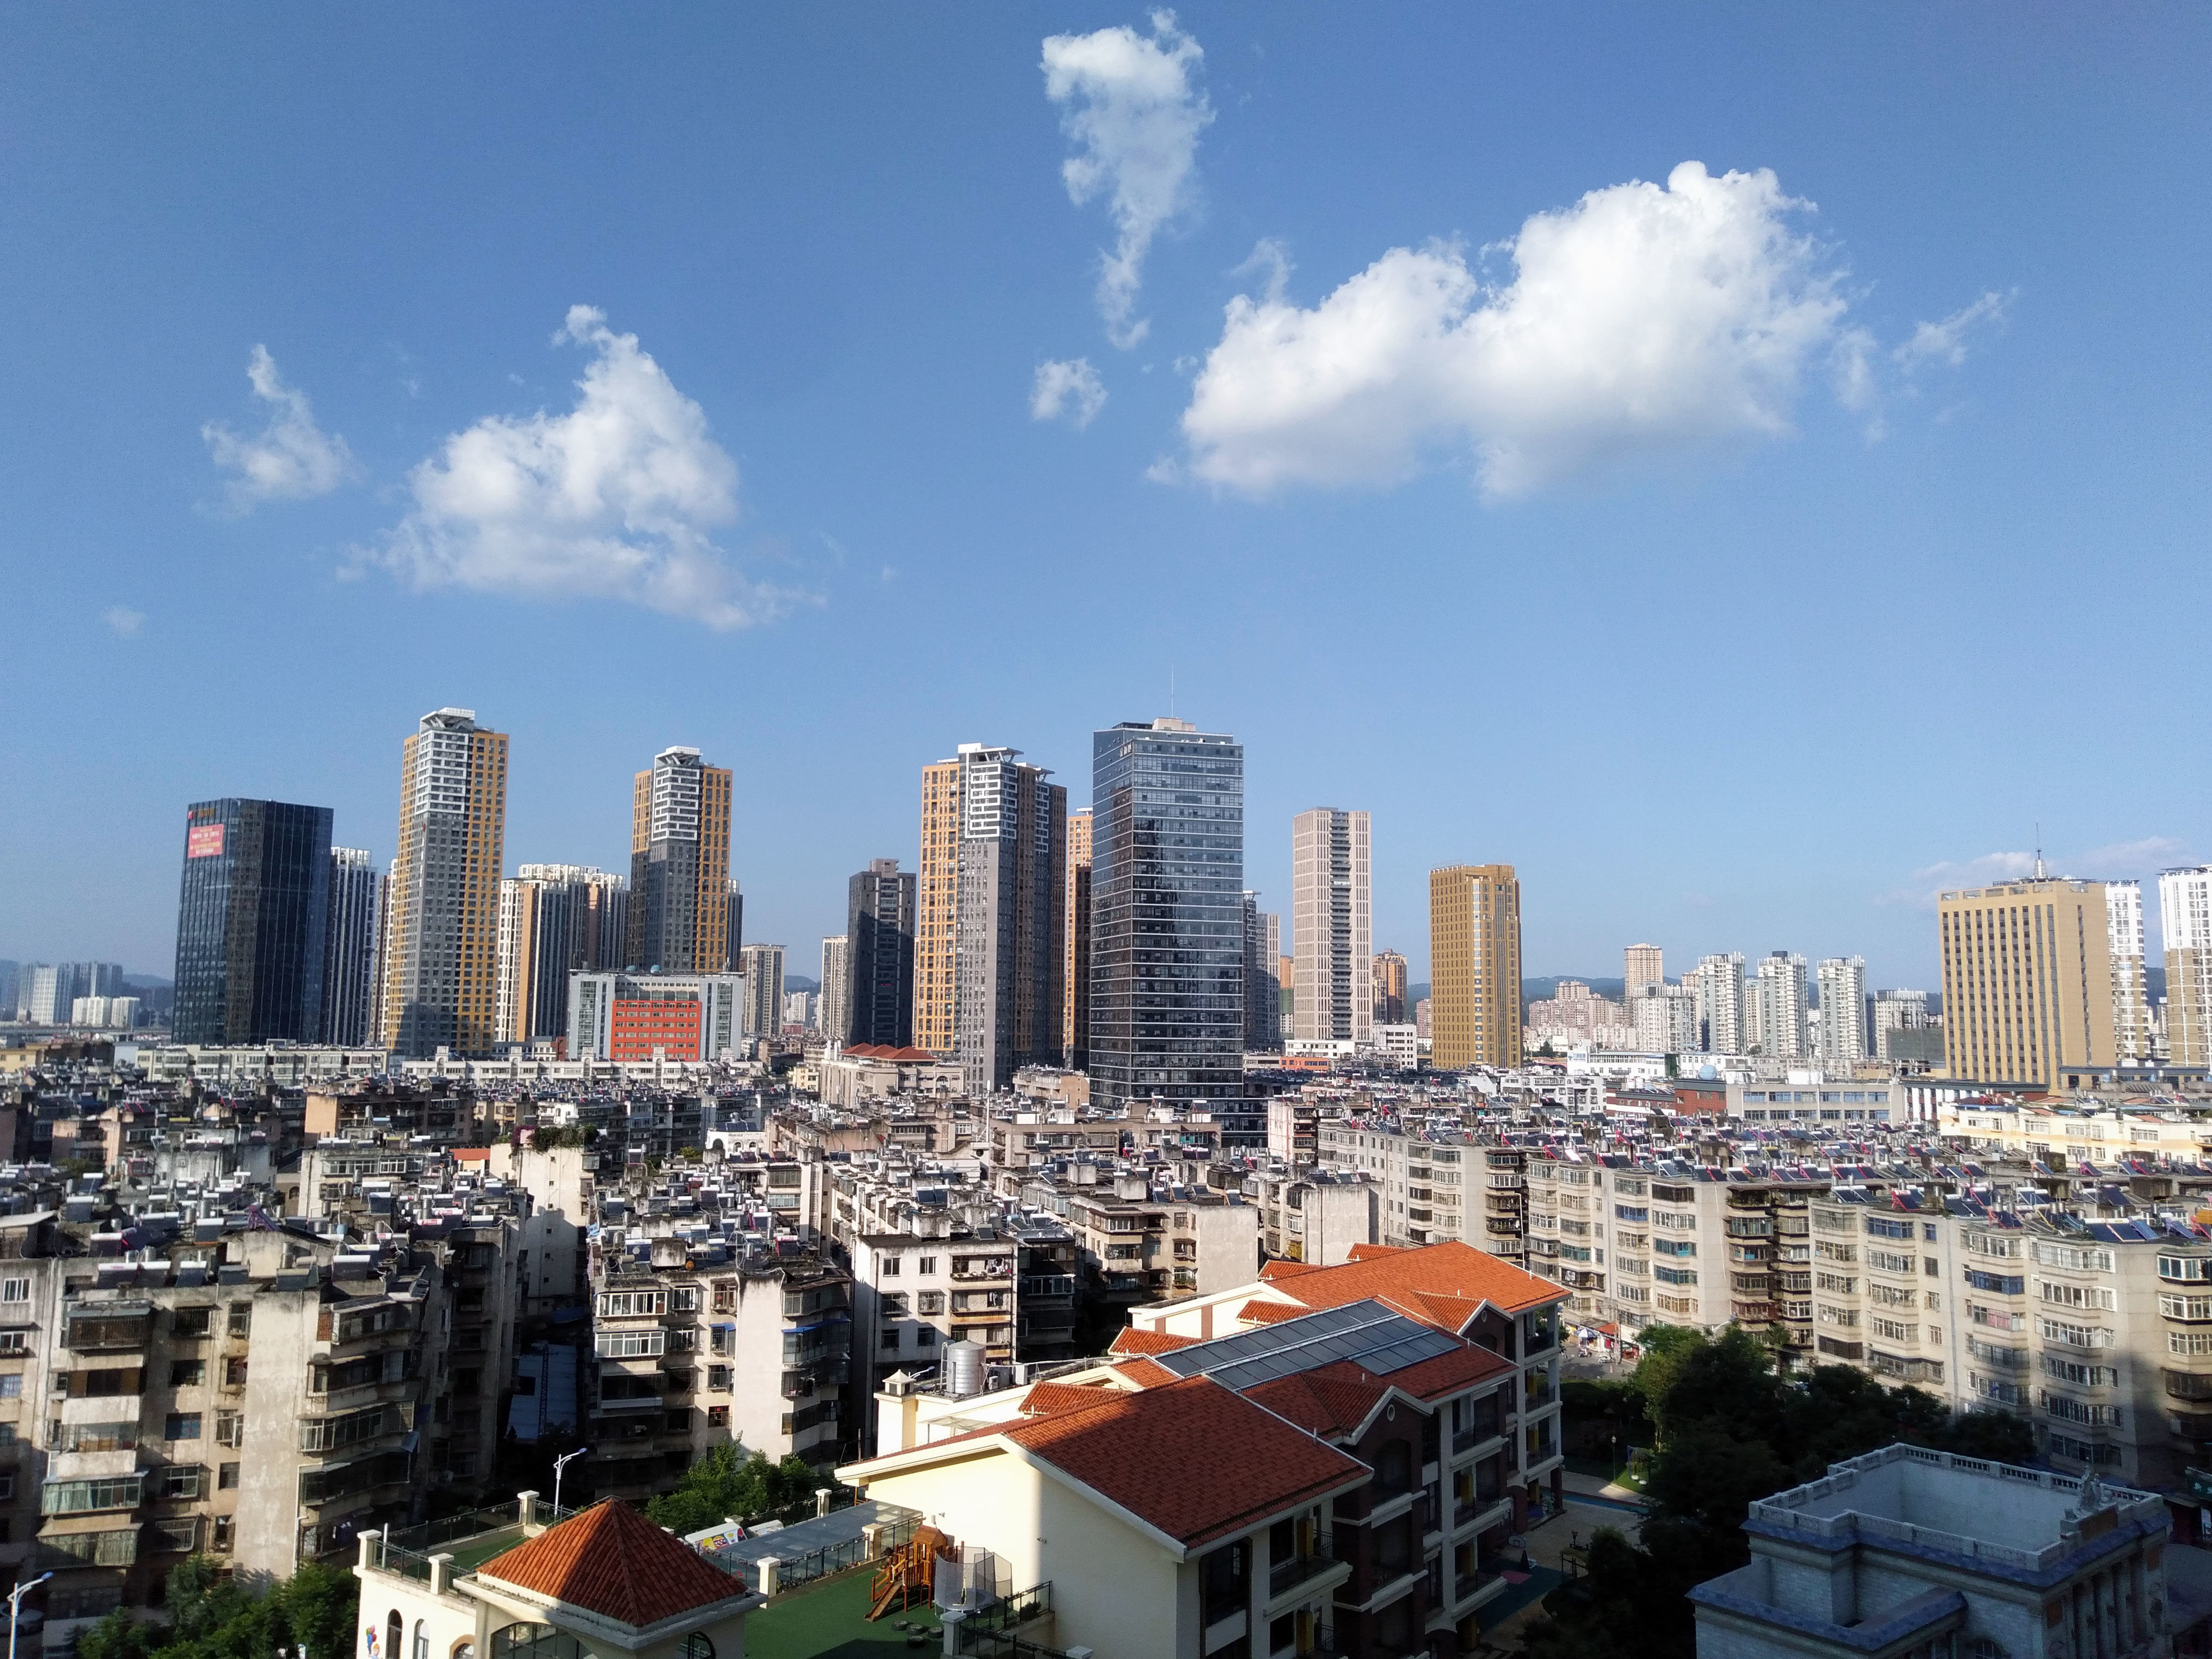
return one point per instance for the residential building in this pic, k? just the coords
(867, 1071)
(1573, 1016)
(1263, 1028)
(554, 919)
(879, 934)
(838, 987)
(2131, 1023)
(735, 903)
(635, 1017)
(1664, 1018)
(1721, 1003)
(349, 937)
(252, 923)
(1643, 965)
(1911, 1552)
(2184, 908)
(679, 866)
(1475, 965)
(441, 986)
(1075, 995)
(1898, 1009)
(1843, 1011)
(1427, 1191)
(1315, 1216)
(1332, 926)
(1166, 949)
(2027, 979)
(1388, 977)
(763, 971)
(1784, 1006)
(990, 965)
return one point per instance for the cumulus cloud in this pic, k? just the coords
(1644, 318)
(124, 620)
(1071, 389)
(1133, 107)
(291, 459)
(616, 499)
(1945, 342)
(2125, 860)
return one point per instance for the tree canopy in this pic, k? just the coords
(726, 1484)
(212, 1616)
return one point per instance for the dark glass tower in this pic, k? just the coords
(880, 955)
(1167, 931)
(252, 923)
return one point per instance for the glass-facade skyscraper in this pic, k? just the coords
(1167, 931)
(252, 921)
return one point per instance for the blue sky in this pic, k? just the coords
(1740, 557)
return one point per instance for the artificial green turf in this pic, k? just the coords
(829, 1620)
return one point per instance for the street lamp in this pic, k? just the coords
(559, 1464)
(15, 1605)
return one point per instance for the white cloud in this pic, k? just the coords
(292, 459)
(2125, 860)
(1132, 106)
(1644, 319)
(1071, 389)
(615, 499)
(1946, 341)
(2131, 861)
(1921, 890)
(124, 620)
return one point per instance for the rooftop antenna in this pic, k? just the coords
(2038, 849)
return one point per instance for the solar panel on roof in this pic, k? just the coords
(1366, 1333)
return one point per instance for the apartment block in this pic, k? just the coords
(1474, 966)
(679, 866)
(1332, 926)
(2027, 981)
(880, 958)
(1317, 1216)
(1075, 1039)
(1427, 1191)
(635, 1017)
(441, 986)
(554, 919)
(252, 918)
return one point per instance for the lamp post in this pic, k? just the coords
(559, 1464)
(15, 1604)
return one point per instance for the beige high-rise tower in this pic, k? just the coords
(1645, 965)
(1075, 1037)
(2185, 913)
(679, 866)
(1332, 927)
(1474, 966)
(2027, 981)
(442, 959)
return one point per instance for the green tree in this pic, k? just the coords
(320, 1604)
(727, 1484)
(117, 1636)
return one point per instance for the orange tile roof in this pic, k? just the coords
(1331, 1407)
(1274, 1270)
(1257, 1312)
(1140, 1451)
(1146, 1373)
(614, 1562)
(1431, 1284)
(1373, 1252)
(1045, 1398)
(1131, 1341)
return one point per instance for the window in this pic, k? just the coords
(182, 1480)
(222, 1539)
(421, 1640)
(718, 1378)
(2193, 1307)
(15, 1289)
(1882, 1226)
(2073, 1371)
(2081, 1259)
(926, 1264)
(686, 1298)
(122, 1491)
(1997, 1284)
(632, 1305)
(696, 1646)
(11, 1386)
(931, 1302)
(890, 1266)
(718, 1417)
(226, 1478)
(926, 1337)
(2074, 1296)
(230, 1428)
(2076, 1336)
(191, 1323)
(2185, 1269)
(533, 1641)
(631, 1344)
(182, 1425)
(1225, 1580)
(241, 1318)
(187, 1374)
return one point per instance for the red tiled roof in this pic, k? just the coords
(1432, 1284)
(1274, 1270)
(612, 1561)
(1373, 1252)
(1045, 1398)
(1429, 1379)
(1131, 1341)
(1146, 1373)
(1193, 1459)
(1331, 1407)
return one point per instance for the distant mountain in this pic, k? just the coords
(801, 982)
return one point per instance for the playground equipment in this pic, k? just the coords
(909, 1574)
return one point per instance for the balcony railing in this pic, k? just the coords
(1310, 1563)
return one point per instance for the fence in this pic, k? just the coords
(807, 1566)
(989, 1631)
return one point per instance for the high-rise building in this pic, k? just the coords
(1332, 926)
(2185, 913)
(1644, 964)
(621, 1016)
(1075, 1026)
(2131, 1033)
(2027, 980)
(1898, 1009)
(1263, 1027)
(762, 965)
(679, 866)
(1390, 981)
(9, 972)
(554, 919)
(1665, 1017)
(998, 888)
(1720, 1003)
(1475, 965)
(1784, 1006)
(879, 923)
(356, 903)
(836, 1007)
(441, 905)
(251, 920)
(737, 922)
(1843, 1011)
(1167, 946)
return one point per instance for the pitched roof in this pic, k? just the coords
(1331, 1407)
(1257, 1312)
(612, 1561)
(1411, 1280)
(1131, 1341)
(1045, 1398)
(1139, 1451)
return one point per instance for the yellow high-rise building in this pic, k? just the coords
(1075, 1042)
(679, 866)
(441, 941)
(936, 906)
(1474, 966)
(2027, 981)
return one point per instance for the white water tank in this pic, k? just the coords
(963, 1369)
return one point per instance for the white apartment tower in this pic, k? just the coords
(1843, 1011)
(2131, 987)
(1784, 1006)
(1332, 927)
(1720, 1002)
(2184, 914)
(835, 1018)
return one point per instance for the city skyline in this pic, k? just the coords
(270, 434)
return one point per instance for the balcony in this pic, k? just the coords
(1310, 1564)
